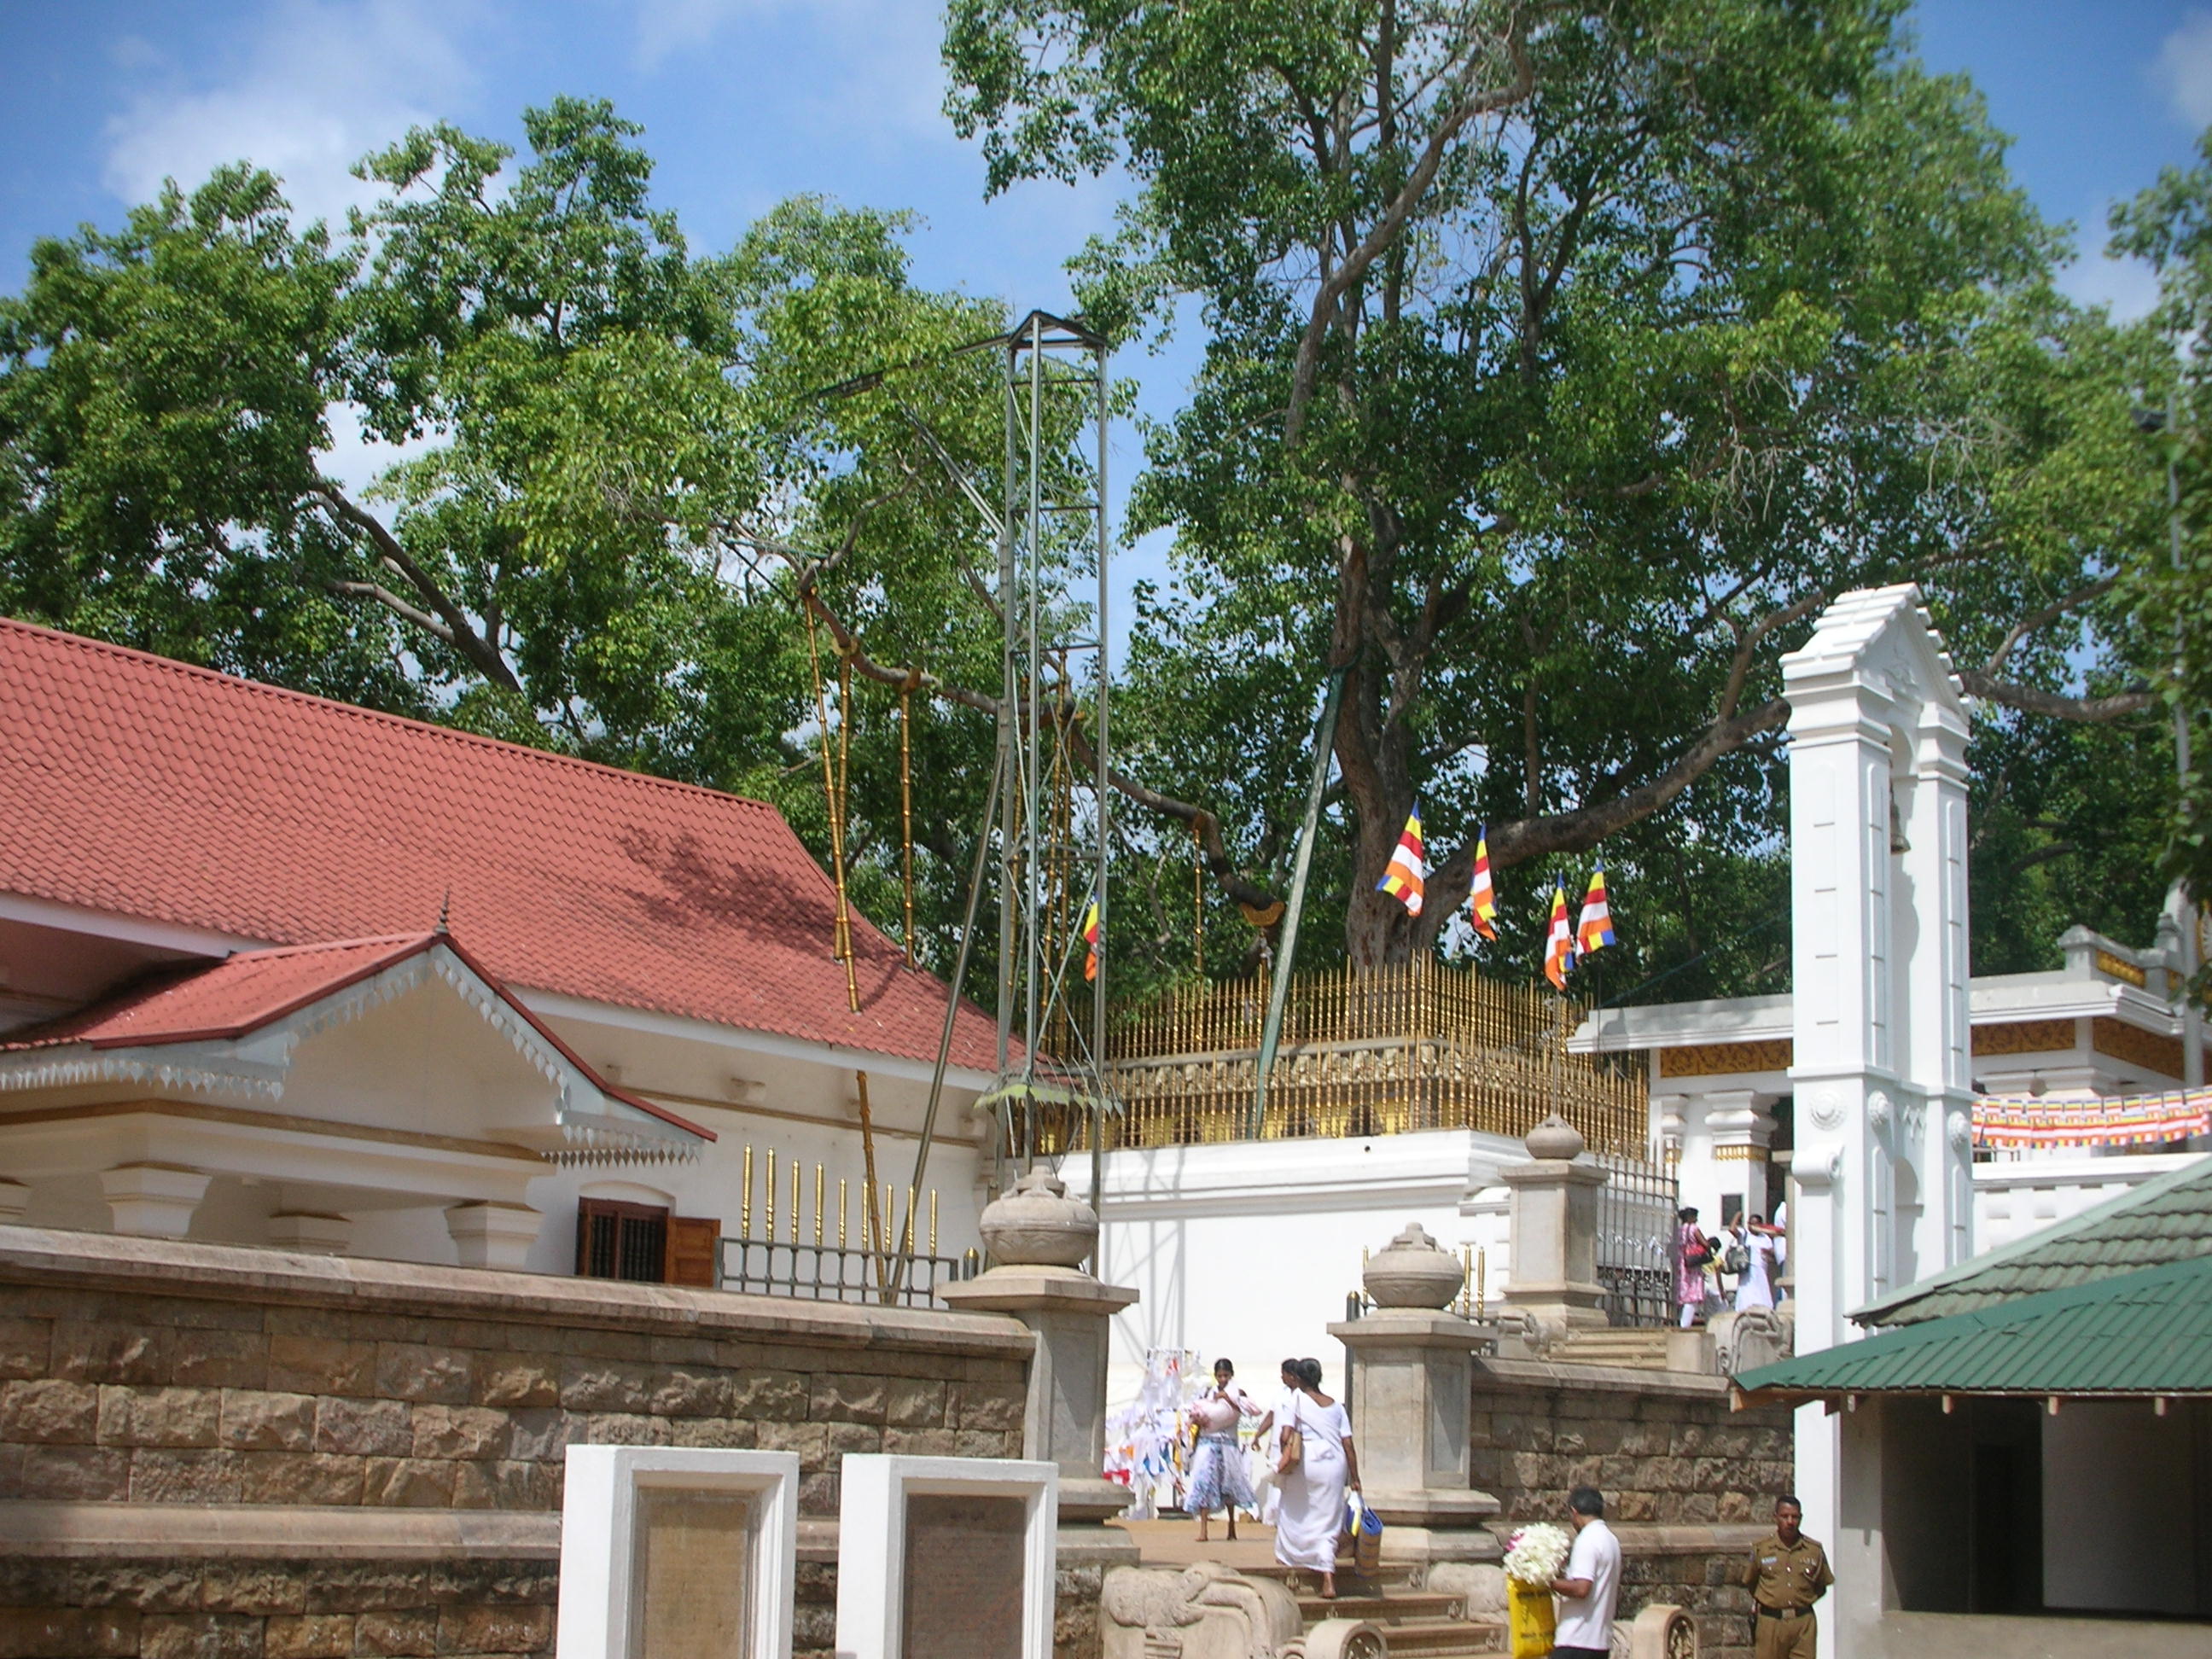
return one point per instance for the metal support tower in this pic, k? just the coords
(1052, 522)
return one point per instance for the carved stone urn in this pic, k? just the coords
(1414, 1271)
(1557, 1139)
(1038, 1224)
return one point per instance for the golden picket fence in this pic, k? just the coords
(1366, 1051)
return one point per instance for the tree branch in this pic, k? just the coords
(459, 632)
(2044, 617)
(1578, 831)
(1357, 259)
(2033, 700)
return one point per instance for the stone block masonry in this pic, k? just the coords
(1689, 1484)
(213, 1450)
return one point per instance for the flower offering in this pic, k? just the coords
(1535, 1554)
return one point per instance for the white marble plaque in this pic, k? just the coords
(964, 1561)
(678, 1555)
(945, 1558)
(687, 1603)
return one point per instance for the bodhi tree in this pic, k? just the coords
(1561, 362)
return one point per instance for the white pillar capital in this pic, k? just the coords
(153, 1201)
(494, 1235)
(310, 1232)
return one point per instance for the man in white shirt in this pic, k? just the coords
(1591, 1586)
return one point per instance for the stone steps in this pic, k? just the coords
(1414, 1624)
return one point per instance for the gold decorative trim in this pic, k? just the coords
(1735, 1154)
(1719, 1059)
(2131, 1043)
(2027, 1036)
(2113, 968)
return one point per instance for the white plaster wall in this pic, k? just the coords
(1250, 1249)
(2118, 1512)
(2015, 1197)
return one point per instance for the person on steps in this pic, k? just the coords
(1218, 1479)
(1311, 1517)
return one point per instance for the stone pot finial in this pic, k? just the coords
(1414, 1271)
(1556, 1139)
(1038, 1225)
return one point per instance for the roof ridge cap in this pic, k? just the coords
(199, 671)
(2041, 1239)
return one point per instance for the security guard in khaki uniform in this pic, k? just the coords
(1787, 1573)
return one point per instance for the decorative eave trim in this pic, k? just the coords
(226, 1077)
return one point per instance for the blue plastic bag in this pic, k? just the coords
(1366, 1539)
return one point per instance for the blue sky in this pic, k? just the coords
(746, 101)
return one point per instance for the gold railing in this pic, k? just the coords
(1365, 1052)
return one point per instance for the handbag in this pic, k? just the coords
(1737, 1259)
(1293, 1449)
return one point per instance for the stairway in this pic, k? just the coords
(1414, 1624)
(1630, 1348)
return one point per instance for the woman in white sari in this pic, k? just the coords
(1311, 1517)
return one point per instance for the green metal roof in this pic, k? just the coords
(2167, 1218)
(2143, 1333)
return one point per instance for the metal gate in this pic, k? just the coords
(1635, 1240)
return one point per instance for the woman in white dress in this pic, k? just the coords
(1755, 1285)
(1311, 1517)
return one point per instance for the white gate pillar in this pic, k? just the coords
(1877, 729)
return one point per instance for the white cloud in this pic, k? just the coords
(873, 64)
(322, 83)
(2127, 286)
(2183, 70)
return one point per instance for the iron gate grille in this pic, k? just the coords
(1635, 1241)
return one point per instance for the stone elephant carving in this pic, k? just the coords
(1205, 1611)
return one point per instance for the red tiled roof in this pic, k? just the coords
(225, 1000)
(197, 1001)
(145, 788)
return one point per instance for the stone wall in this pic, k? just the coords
(1689, 1484)
(213, 1450)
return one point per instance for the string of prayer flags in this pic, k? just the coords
(1403, 877)
(1595, 931)
(1482, 897)
(1560, 943)
(1090, 934)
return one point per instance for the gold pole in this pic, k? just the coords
(768, 1189)
(932, 1221)
(1481, 1265)
(819, 1179)
(794, 1201)
(841, 1213)
(908, 1243)
(746, 1202)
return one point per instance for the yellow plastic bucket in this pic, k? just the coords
(1535, 1619)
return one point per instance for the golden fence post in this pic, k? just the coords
(841, 1213)
(745, 1199)
(768, 1193)
(794, 1201)
(819, 1179)
(932, 1221)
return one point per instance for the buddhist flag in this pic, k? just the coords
(1402, 878)
(1560, 943)
(1090, 932)
(1595, 931)
(1482, 898)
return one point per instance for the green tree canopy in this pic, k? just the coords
(1561, 361)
